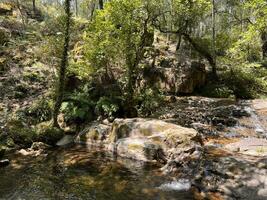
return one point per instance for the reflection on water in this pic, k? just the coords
(77, 173)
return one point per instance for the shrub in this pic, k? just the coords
(108, 107)
(40, 111)
(78, 107)
(149, 100)
(245, 83)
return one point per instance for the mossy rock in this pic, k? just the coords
(20, 133)
(119, 131)
(48, 134)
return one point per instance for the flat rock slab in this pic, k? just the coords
(259, 104)
(249, 146)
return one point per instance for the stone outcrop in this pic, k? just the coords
(143, 139)
(175, 79)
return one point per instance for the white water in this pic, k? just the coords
(256, 121)
(179, 185)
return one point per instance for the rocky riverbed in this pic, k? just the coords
(209, 148)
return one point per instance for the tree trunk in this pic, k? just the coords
(179, 42)
(101, 4)
(63, 65)
(214, 67)
(264, 45)
(34, 7)
(202, 51)
(76, 8)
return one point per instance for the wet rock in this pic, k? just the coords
(204, 129)
(239, 112)
(66, 140)
(249, 146)
(4, 163)
(96, 133)
(229, 121)
(39, 146)
(144, 139)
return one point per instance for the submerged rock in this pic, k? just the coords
(144, 139)
(67, 139)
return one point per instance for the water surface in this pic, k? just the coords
(81, 173)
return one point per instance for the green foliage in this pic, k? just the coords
(107, 106)
(245, 82)
(40, 111)
(216, 90)
(149, 99)
(78, 107)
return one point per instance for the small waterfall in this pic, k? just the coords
(256, 121)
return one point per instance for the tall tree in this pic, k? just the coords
(34, 7)
(214, 68)
(63, 64)
(76, 7)
(101, 4)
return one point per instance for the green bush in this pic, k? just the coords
(78, 107)
(108, 107)
(149, 100)
(216, 90)
(245, 83)
(40, 111)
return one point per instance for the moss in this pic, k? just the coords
(135, 146)
(48, 134)
(20, 133)
(119, 131)
(93, 135)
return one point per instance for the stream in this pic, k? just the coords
(233, 165)
(81, 173)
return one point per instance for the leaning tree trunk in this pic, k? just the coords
(202, 51)
(63, 65)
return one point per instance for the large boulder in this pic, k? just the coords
(175, 79)
(147, 140)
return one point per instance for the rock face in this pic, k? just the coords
(143, 139)
(178, 79)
